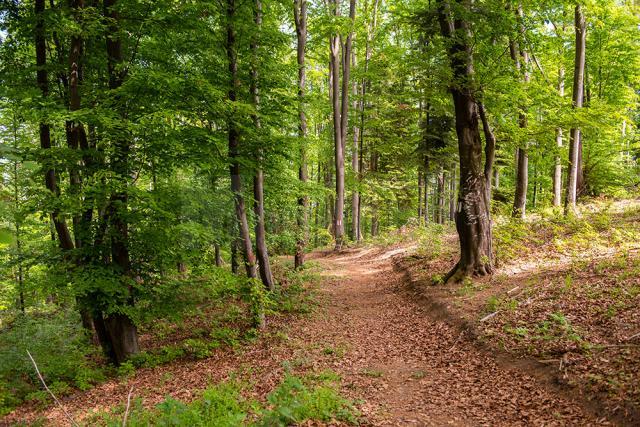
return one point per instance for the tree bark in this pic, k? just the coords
(557, 169)
(473, 221)
(218, 256)
(234, 145)
(439, 217)
(578, 99)
(355, 165)
(121, 329)
(42, 79)
(300, 19)
(262, 252)
(522, 169)
(489, 149)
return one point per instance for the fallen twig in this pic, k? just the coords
(126, 411)
(489, 316)
(632, 337)
(456, 341)
(35, 365)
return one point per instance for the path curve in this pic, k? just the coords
(411, 369)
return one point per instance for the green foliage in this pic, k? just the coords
(59, 346)
(296, 400)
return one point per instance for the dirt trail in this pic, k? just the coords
(400, 365)
(413, 370)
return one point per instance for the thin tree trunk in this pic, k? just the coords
(473, 221)
(578, 99)
(489, 148)
(300, 19)
(234, 146)
(355, 164)
(557, 169)
(60, 225)
(522, 169)
(218, 256)
(420, 191)
(338, 211)
(439, 217)
(262, 252)
(452, 193)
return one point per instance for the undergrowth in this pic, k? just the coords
(187, 318)
(294, 401)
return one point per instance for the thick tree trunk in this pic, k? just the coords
(578, 99)
(557, 169)
(122, 331)
(234, 146)
(262, 252)
(300, 19)
(473, 221)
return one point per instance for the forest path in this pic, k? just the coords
(400, 364)
(410, 369)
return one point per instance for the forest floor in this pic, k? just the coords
(411, 353)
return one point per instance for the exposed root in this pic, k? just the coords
(458, 273)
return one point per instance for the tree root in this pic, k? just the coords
(458, 273)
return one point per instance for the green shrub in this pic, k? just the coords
(59, 346)
(294, 402)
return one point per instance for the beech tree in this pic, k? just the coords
(578, 99)
(473, 221)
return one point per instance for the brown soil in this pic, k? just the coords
(400, 362)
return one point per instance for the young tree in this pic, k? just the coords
(262, 252)
(300, 21)
(578, 99)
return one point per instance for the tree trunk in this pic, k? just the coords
(300, 19)
(452, 193)
(218, 256)
(522, 169)
(262, 252)
(578, 99)
(557, 169)
(122, 331)
(355, 165)
(473, 221)
(234, 146)
(439, 217)
(420, 191)
(42, 78)
(235, 245)
(489, 149)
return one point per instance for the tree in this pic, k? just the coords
(578, 99)
(234, 143)
(473, 221)
(300, 21)
(258, 180)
